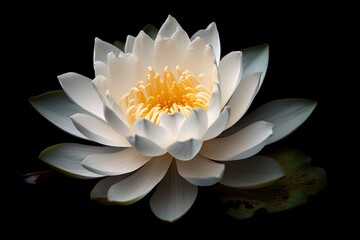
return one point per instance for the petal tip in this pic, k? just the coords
(213, 24)
(185, 150)
(31, 100)
(73, 117)
(313, 103)
(170, 17)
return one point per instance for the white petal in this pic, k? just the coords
(242, 97)
(167, 53)
(121, 162)
(116, 123)
(199, 58)
(254, 172)
(200, 171)
(81, 90)
(194, 126)
(129, 44)
(146, 146)
(156, 133)
(102, 49)
(215, 107)
(101, 68)
(181, 38)
(211, 36)
(98, 131)
(172, 123)
(242, 144)
(285, 114)
(144, 49)
(218, 126)
(136, 186)
(101, 84)
(56, 107)
(116, 108)
(124, 74)
(67, 158)
(255, 59)
(102, 187)
(230, 72)
(169, 27)
(186, 150)
(173, 197)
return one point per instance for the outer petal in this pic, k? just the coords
(146, 146)
(254, 172)
(81, 90)
(56, 107)
(186, 150)
(102, 187)
(172, 123)
(129, 44)
(243, 144)
(173, 197)
(102, 84)
(255, 59)
(285, 114)
(211, 36)
(230, 72)
(116, 108)
(102, 49)
(218, 126)
(154, 132)
(140, 183)
(194, 126)
(169, 27)
(200, 171)
(67, 158)
(116, 123)
(121, 162)
(98, 131)
(144, 49)
(242, 97)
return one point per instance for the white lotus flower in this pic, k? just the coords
(158, 108)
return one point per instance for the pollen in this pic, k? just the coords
(166, 94)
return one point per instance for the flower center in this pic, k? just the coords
(166, 95)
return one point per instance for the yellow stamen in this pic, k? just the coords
(166, 95)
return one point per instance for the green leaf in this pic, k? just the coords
(36, 177)
(301, 181)
(119, 44)
(150, 30)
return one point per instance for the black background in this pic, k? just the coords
(51, 40)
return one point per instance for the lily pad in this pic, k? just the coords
(301, 180)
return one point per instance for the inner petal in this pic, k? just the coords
(166, 93)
